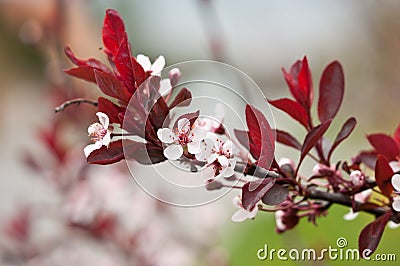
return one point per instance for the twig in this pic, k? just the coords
(77, 101)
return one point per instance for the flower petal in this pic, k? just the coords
(393, 225)
(227, 148)
(350, 215)
(230, 170)
(183, 125)
(396, 182)
(396, 204)
(278, 220)
(206, 149)
(253, 213)
(223, 161)
(144, 61)
(198, 134)
(193, 147)
(212, 158)
(173, 152)
(103, 118)
(107, 139)
(166, 135)
(240, 215)
(165, 87)
(158, 65)
(208, 172)
(91, 147)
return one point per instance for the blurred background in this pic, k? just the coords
(55, 207)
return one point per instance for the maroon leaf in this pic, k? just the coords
(111, 109)
(305, 85)
(243, 137)
(275, 195)
(331, 91)
(183, 98)
(292, 79)
(312, 138)
(146, 154)
(123, 64)
(384, 145)
(343, 134)
(292, 108)
(82, 72)
(371, 235)
(383, 175)
(111, 86)
(261, 137)
(140, 75)
(253, 191)
(287, 139)
(113, 32)
(159, 114)
(107, 155)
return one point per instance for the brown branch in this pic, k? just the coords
(77, 101)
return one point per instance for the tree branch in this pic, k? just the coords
(77, 101)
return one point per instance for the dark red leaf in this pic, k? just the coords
(261, 137)
(253, 191)
(383, 175)
(113, 32)
(305, 85)
(292, 108)
(275, 195)
(159, 114)
(112, 87)
(343, 134)
(123, 63)
(287, 139)
(139, 73)
(183, 98)
(82, 72)
(312, 138)
(146, 154)
(384, 145)
(292, 80)
(371, 235)
(111, 109)
(107, 155)
(243, 137)
(331, 91)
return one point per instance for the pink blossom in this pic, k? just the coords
(155, 68)
(360, 197)
(396, 186)
(242, 214)
(100, 134)
(357, 178)
(181, 137)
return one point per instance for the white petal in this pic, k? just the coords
(206, 149)
(214, 138)
(158, 65)
(103, 118)
(393, 225)
(395, 165)
(174, 76)
(107, 139)
(166, 135)
(198, 134)
(363, 196)
(183, 125)
(208, 172)
(237, 201)
(173, 152)
(278, 220)
(350, 215)
(396, 204)
(223, 161)
(212, 158)
(227, 147)
(91, 147)
(144, 61)
(240, 215)
(253, 213)
(396, 182)
(165, 87)
(193, 147)
(229, 171)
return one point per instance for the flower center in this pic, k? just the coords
(97, 132)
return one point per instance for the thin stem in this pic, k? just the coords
(77, 101)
